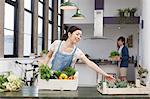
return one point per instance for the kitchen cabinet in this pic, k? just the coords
(108, 68)
(113, 69)
(131, 74)
(99, 4)
(89, 77)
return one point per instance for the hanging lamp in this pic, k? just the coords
(68, 5)
(78, 15)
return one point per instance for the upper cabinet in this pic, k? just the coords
(99, 4)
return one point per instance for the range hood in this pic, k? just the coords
(98, 25)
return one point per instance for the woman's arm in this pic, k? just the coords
(94, 66)
(125, 54)
(50, 53)
(48, 56)
(46, 59)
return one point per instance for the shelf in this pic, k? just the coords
(122, 20)
(99, 4)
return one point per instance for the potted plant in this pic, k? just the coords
(142, 74)
(132, 12)
(127, 12)
(121, 12)
(114, 55)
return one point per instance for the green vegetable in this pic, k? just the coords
(100, 84)
(113, 53)
(10, 82)
(45, 72)
(116, 84)
(121, 83)
(3, 79)
(142, 74)
(57, 73)
(69, 71)
(111, 85)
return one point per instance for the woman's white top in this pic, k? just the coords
(54, 47)
(120, 49)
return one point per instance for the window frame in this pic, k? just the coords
(51, 22)
(43, 19)
(61, 21)
(15, 43)
(31, 12)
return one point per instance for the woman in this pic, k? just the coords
(65, 53)
(123, 58)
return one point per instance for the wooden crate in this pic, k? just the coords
(141, 90)
(57, 84)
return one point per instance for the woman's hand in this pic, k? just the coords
(109, 77)
(118, 58)
(40, 61)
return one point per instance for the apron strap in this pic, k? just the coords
(59, 46)
(74, 50)
(72, 56)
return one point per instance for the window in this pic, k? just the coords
(49, 35)
(50, 14)
(11, 37)
(9, 28)
(27, 4)
(50, 3)
(40, 34)
(59, 19)
(40, 26)
(27, 27)
(59, 4)
(50, 25)
(40, 9)
(27, 33)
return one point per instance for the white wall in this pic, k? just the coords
(111, 6)
(144, 35)
(101, 48)
(87, 9)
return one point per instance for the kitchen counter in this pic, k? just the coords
(101, 63)
(82, 92)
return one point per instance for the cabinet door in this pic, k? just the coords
(87, 76)
(99, 4)
(131, 73)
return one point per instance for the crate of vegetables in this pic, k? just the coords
(120, 87)
(57, 80)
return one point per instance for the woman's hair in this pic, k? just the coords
(121, 38)
(71, 30)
